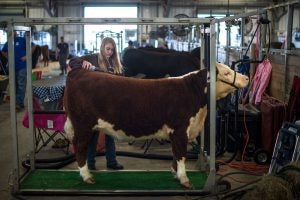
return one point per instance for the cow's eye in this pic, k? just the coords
(226, 73)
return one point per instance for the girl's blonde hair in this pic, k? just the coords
(115, 59)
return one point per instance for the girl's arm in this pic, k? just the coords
(86, 61)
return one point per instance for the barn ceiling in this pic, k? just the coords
(37, 3)
(11, 6)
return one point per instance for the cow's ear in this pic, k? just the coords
(217, 68)
(223, 69)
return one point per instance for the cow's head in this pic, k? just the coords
(228, 80)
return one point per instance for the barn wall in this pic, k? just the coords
(73, 34)
(280, 84)
(283, 73)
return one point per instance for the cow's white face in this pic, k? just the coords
(228, 80)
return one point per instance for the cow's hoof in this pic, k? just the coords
(187, 185)
(90, 180)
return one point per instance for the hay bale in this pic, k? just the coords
(270, 188)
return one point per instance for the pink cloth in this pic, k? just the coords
(47, 121)
(260, 81)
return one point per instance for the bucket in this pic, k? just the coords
(38, 75)
(33, 76)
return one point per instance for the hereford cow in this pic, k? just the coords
(125, 107)
(154, 64)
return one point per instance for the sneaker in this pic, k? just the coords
(115, 167)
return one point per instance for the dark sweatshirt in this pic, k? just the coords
(77, 61)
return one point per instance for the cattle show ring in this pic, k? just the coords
(179, 108)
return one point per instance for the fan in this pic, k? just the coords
(153, 35)
(180, 30)
(162, 31)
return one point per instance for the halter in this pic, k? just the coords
(233, 82)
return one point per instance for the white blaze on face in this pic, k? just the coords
(108, 129)
(69, 129)
(196, 123)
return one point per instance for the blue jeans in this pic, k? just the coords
(110, 152)
(62, 59)
(21, 80)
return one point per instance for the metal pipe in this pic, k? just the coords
(131, 193)
(13, 118)
(287, 45)
(112, 21)
(257, 12)
(210, 183)
(29, 97)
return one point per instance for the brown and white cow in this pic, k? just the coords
(123, 107)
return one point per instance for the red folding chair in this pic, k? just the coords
(48, 126)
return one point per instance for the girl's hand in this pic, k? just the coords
(87, 65)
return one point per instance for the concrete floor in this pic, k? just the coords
(24, 137)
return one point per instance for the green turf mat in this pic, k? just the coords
(107, 180)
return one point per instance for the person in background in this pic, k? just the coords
(20, 68)
(108, 61)
(130, 46)
(62, 54)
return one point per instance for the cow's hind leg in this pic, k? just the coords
(81, 156)
(179, 148)
(80, 147)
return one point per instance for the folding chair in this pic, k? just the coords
(48, 125)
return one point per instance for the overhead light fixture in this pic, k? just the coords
(12, 12)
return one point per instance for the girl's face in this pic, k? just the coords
(108, 50)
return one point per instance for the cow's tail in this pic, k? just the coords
(69, 129)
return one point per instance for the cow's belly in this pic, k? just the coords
(108, 129)
(196, 124)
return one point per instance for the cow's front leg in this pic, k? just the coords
(81, 156)
(174, 167)
(85, 174)
(181, 173)
(179, 148)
